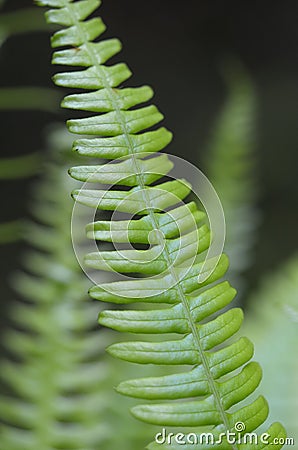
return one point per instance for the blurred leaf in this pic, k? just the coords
(10, 232)
(231, 168)
(10, 169)
(19, 166)
(26, 20)
(29, 98)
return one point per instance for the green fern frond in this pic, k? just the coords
(209, 391)
(54, 397)
(273, 313)
(231, 168)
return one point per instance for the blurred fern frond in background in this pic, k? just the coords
(232, 168)
(21, 21)
(13, 23)
(54, 380)
(29, 98)
(16, 98)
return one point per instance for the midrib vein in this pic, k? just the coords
(143, 188)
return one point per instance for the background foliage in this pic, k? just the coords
(266, 43)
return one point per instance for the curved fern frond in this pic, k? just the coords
(231, 168)
(211, 388)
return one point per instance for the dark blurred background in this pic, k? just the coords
(178, 48)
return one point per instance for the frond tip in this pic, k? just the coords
(211, 388)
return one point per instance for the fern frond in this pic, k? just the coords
(53, 397)
(211, 388)
(231, 168)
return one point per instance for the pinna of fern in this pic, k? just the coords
(221, 376)
(54, 382)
